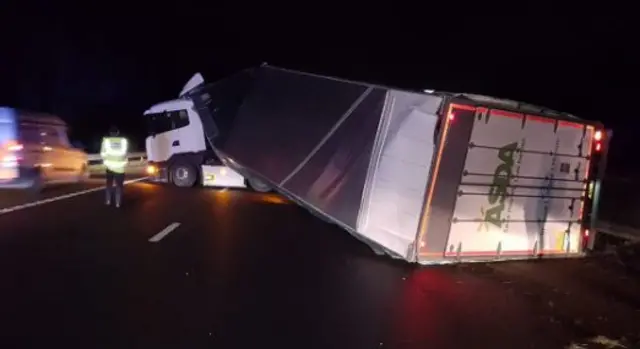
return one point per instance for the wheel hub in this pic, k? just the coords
(182, 173)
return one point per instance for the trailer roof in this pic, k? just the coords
(487, 100)
(514, 105)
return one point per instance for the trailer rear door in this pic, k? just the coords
(522, 188)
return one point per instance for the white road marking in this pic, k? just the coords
(164, 232)
(58, 198)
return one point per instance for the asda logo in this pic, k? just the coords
(498, 189)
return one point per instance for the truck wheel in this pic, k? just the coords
(258, 185)
(183, 175)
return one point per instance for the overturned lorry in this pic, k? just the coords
(425, 177)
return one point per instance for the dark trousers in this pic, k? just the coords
(117, 180)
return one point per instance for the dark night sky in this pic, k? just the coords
(100, 66)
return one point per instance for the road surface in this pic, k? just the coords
(231, 269)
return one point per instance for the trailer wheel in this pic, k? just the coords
(183, 175)
(258, 185)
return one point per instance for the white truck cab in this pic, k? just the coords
(35, 151)
(177, 150)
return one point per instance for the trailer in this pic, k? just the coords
(426, 177)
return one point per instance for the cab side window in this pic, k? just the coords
(180, 118)
(159, 122)
(167, 121)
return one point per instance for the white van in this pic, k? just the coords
(35, 151)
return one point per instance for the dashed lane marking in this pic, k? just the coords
(164, 232)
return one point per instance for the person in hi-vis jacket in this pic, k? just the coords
(114, 157)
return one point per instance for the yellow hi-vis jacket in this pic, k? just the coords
(114, 153)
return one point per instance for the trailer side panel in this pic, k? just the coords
(283, 117)
(310, 138)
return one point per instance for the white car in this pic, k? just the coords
(35, 151)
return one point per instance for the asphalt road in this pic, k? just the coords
(246, 270)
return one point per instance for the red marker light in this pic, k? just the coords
(451, 116)
(598, 135)
(598, 146)
(585, 239)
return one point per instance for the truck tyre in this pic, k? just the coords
(258, 185)
(183, 175)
